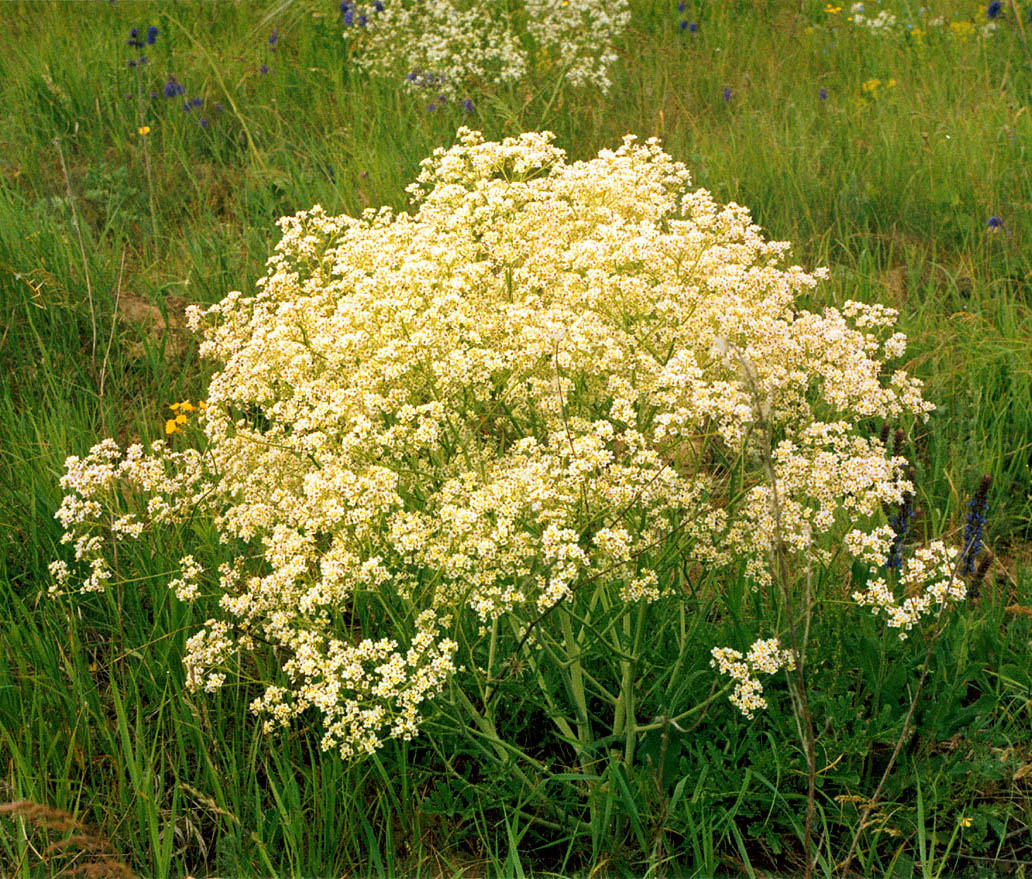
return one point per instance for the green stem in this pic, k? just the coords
(576, 681)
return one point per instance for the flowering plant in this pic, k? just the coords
(525, 419)
(448, 45)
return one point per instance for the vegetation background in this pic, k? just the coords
(119, 205)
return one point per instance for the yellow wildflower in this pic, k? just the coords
(143, 129)
(187, 406)
(180, 418)
(174, 407)
(171, 426)
(832, 10)
(871, 85)
(965, 821)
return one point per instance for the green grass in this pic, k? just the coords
(105, 235)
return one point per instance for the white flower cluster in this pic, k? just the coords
(526, 391)
(158, 485)
(445, 47)
(883, 22)
(764, 657)
(929, 581)
(886, 22)
(824, 474)
(578, 36)
(185, 585)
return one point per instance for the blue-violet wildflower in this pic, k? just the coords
(974, 526)
(900, 524)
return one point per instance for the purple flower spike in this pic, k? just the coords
(173, 87)
(152, 35)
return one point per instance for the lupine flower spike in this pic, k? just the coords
(974, 526)
(900, 524)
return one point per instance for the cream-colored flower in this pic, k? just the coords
(504, 399)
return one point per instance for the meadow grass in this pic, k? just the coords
(106, 233)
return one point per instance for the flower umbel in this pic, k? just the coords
(766, 657)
